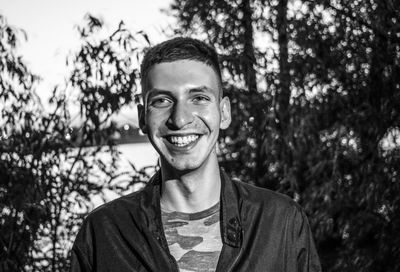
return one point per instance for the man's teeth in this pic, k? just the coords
(183, 140)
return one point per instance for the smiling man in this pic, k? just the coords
(191, 216)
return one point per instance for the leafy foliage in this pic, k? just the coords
(315, 89)
(48, 170)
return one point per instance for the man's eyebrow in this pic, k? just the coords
(155, 91)
(200, 89)
(193, 90)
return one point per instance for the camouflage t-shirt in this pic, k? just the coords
(194, 239)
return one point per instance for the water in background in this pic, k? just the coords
(140, 155)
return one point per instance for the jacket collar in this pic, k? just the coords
(231, 228)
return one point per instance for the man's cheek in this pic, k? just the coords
(207, 114)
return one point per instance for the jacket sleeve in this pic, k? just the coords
(81, 252)
(306, 253)
(78, 261)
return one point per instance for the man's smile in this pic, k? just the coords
(182, 140)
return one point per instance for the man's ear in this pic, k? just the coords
(225, 108)
(142, 120)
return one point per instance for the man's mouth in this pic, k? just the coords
(182, 141)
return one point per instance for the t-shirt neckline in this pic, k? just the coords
(193, 216)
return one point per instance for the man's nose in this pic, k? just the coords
(181, 116)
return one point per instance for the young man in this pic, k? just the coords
(191, 216)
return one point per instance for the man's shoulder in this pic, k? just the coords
(258, 196)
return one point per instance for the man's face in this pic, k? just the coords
(183, 112)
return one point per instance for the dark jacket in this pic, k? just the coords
(261, 231)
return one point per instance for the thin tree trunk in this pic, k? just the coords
(257, 111)
(249, 58)
(283, 95)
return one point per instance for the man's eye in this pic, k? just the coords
(160, 102)
(201, 99)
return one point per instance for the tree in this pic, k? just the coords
(316, 125)
(48, 170)
(20, 218)
(360, 107)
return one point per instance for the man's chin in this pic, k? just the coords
(187, 161)
(181, 164)
(183, 167)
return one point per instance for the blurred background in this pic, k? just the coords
(315, 93)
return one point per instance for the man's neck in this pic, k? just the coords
(191, 191)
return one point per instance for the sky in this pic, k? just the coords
(50, 28)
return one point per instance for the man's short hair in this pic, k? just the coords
(180, 48)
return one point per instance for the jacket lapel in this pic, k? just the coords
(231, 227)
